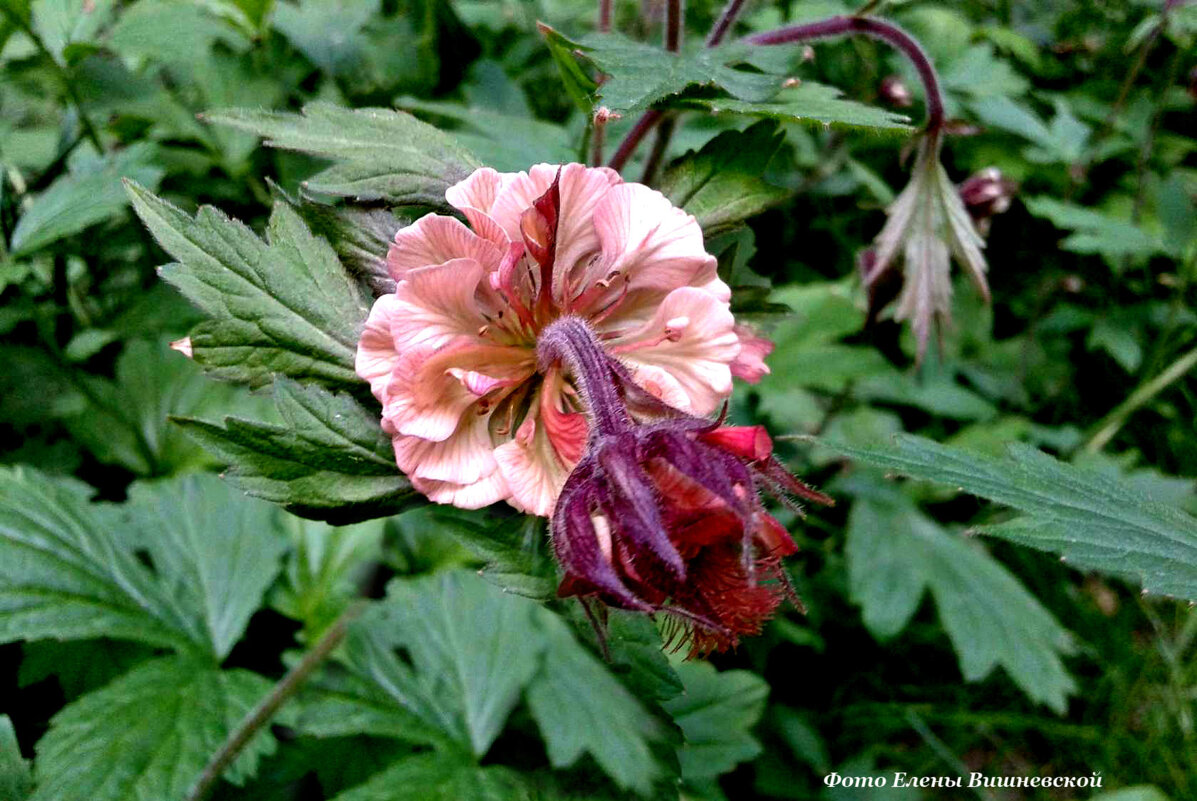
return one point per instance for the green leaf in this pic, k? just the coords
(1096, 522)
(514, 550)
(439, 776)
(472, 649)
(149, 734)
(328, 459)
(307, 24)
(65, 574)
(284, 305)
(379, 154)
(79, 666)
(90, 193)
(1094, 232)
(580, 707)
(1140, 792)
(506, 142)
(716, 712)
(340, 703)
(580, 86)
(16, 779)
(811, 104)
(640, 74)
(361, 236)
(215, 551)
(124, 421)
(62, 23)
(895, 552)
(721, 185)
(172, 32)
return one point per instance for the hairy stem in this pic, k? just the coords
(266, 709)
(886, 32)
(571, 342)
(632, 140)
(727, 18)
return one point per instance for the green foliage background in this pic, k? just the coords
(146, 605)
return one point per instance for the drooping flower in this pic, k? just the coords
(665, 514)
(927, 224)
(451, 354)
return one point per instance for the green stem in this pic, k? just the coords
(1109, 425)
(25, 27)
(266, 709)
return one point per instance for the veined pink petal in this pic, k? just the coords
(481, 493)
(567, 431)
(376, 352)
(465, 457)
(749, 364)
(661, 384)
(581, 189)
(475, 196)
(424, 397)
(435, 239)
(656, 245)
(435, 304)
(692, 337)
(532, 469)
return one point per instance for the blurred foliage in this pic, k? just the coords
(146, 605)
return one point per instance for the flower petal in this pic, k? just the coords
(465, 457)
(464, 496)
(435, 239)
(533, 471)
(376, 354)
(436, 304)
(749, 364)
(475, 196)
(692, 338)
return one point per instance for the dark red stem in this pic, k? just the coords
(673, 26)
(727, 18)
(628, 146)
(877, 29)
(604, 21)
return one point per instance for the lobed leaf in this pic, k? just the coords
(439, 776)
(1095, 521)
(378, 154)
(280, 306)
(148, 735)
(811, 104)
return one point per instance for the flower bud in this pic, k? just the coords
(985, 194)
(894, 92)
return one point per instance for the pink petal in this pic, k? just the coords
(750, 361)
(567, 431)
(475, 196)
(692, 338)
(657, 246)
(464, 496)
(581, 188)
(435, 239)
(436, 304)
(532, 469)
(376, 354)
(465, 457)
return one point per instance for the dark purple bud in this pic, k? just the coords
(986, 194)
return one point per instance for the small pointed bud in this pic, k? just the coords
(183, 346)
(894, 92)
(985, 194)
(750, 443)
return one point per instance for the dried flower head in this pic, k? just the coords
(451, 354)
(665, 514)
(927, 225)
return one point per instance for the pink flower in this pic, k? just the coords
(451, 354)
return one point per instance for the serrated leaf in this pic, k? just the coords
(90, 193)
(1095, 521)
(379, 154)
(171, 32)
(65, 574)
(214, 550)
(811, 104)
(328, 459)
(580, 707)
(344, 704)
(895, 553)
(640, 74)
(439, 776)
(471, 649)
(722, 184)
(307, 24)
(716, 712)
(281, 306)
(16, 778)
(148, 735)
(361, 237)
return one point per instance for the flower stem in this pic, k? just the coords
(630, 142)
(874, 28)
(673, 26)
(266, 709)
(569, 340)
(727, 18)
(1109, 425)
(604, 19)
(660, 145)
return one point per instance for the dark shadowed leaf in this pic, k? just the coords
(440, 776)
(328, 459)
